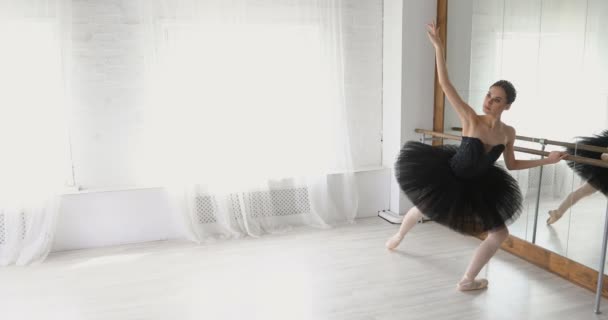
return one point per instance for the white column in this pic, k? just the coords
(408, 82)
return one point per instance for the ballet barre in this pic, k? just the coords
(574, 146)
(573, 158)
(543, 153)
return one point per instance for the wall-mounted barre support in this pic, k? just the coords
(600, 283)
(540, 181)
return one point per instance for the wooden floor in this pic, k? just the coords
(341, 273)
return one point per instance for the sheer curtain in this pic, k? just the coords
(34, 37)
(245, 118)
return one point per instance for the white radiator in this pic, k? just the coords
(272, 203)
(4, 227)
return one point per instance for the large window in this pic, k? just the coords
(256, 101)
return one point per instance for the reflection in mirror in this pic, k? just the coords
(556, 183)
(588, 206)
(554, 52)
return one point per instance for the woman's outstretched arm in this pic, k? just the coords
(464, 111)
(514, 164)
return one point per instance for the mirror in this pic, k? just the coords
(555, 53)
(586, 220)
(551, 189)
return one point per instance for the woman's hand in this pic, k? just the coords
(556, 156)
(432, 31)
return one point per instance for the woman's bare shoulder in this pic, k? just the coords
(509, 132)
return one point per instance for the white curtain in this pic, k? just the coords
(245, 118)
(33, 142)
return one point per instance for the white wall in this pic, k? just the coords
(98, 219)
(392, 80)
(105, 218)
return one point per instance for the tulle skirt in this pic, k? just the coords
(467, 205)
(596, 176)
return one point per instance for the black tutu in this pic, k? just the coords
(470, 205)
(596, 176)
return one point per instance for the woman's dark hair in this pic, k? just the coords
(509, 89)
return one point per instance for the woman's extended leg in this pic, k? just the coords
(409, 221)
(484, 252)
(583, 191)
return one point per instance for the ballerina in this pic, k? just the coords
(461, 187)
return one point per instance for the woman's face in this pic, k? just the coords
(495, 101)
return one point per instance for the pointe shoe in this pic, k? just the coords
(394, 241)
(470, 285)
(553, 217)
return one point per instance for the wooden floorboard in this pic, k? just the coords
(339, 273)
